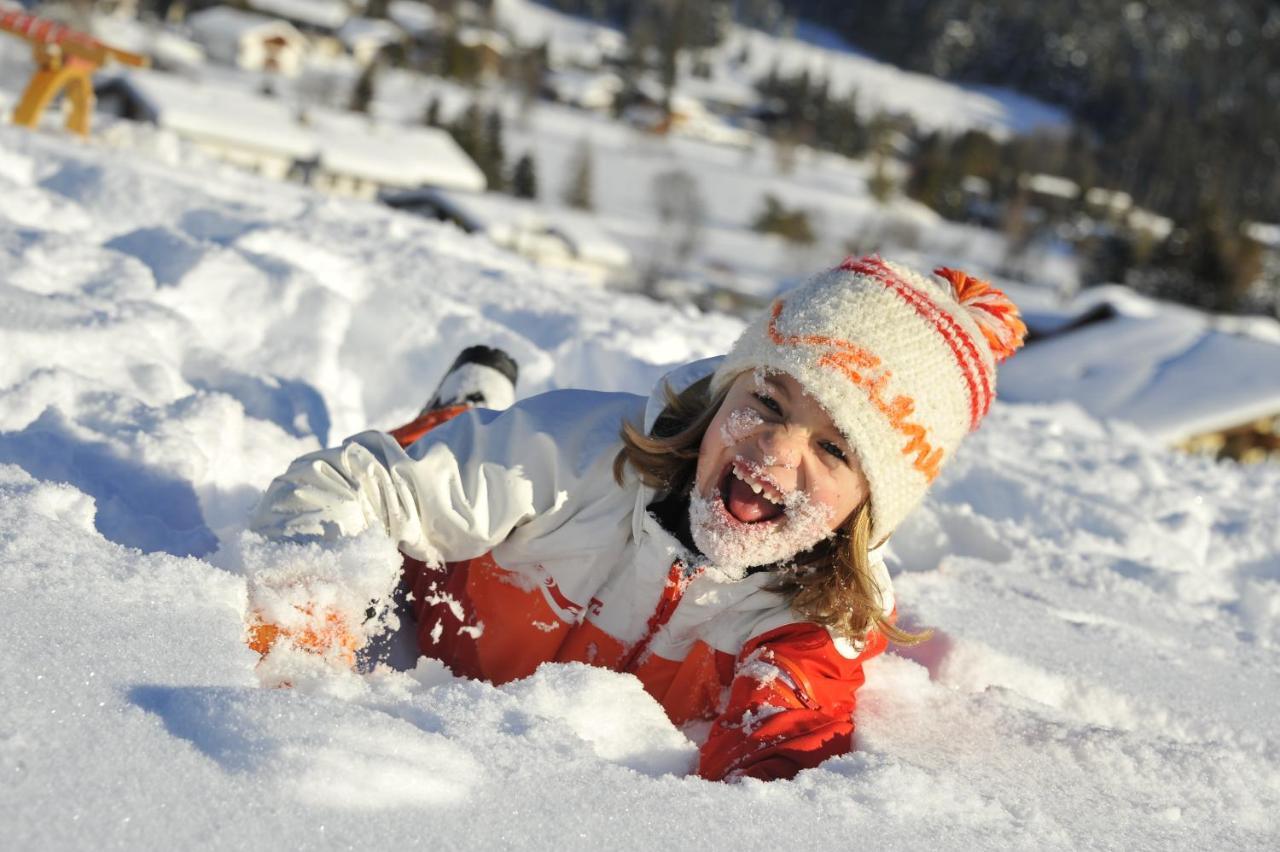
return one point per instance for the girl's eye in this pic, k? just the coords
(768, 402)
(834, 450)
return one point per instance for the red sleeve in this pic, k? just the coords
(790, 705)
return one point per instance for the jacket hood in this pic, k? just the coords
(678, 380)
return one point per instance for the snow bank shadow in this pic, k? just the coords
(295, 406)
(608, 713)
(323, 752)
(935, 533)
(137, 506)
(931, 653)
(201, 716)
(973, 667)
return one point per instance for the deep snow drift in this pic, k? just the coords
(1104, 672)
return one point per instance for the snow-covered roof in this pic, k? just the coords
(1264, 233)
(164, 46)
(1053, 185)
(501, 216)
(222, 114)
(480, 37)
(358, 31)
(570, 40)
(324, 14)
(1114, 199)
(1153, 223)
(1173, 371)
(344, 143)
(392, 156)
(415, 18)
(589, 89)
(222, 24)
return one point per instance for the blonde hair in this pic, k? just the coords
(834, 584)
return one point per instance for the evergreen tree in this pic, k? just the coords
(681, 212)
(524, 178)
(579, 190)
(494, 151)
(363, 93)
(431, 115)
(792, 225)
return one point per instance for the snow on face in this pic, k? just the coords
(739, 424)
(734, 546)
(768, 483)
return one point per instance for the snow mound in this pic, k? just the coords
(1102, 673)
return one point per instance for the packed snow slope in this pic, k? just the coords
(1103, 673)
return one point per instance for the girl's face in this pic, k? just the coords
(774, 473)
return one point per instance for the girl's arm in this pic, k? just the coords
(790, 705)
(463, 488)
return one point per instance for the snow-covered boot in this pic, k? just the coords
(480, 377)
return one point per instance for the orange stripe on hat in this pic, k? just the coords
(851, 360)
(958, 340)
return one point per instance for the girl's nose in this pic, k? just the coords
(782, 447)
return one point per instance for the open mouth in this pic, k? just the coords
(748, 495)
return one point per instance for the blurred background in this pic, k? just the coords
(1115, 166)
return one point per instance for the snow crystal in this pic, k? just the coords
(739, 424)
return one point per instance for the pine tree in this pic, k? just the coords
(524, 178)
(494, 154)
(431, 115)
(579, 190)
(792, 225)
(365, 89)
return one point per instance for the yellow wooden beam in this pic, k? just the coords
(65, 61)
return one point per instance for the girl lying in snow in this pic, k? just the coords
(719, 542)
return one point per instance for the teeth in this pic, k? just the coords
(755, 485)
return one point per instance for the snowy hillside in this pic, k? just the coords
(748, 55)
(1103, 675)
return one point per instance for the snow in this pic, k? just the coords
(224, 27)
(324, 14)
(569, 40)
(730, 182)
(392, 156)
(206, 111)
(879, 87)
(413, 17)
(1103, 672)
(343, 143)
(165, 47)
(1264, 233)
(1053, 185)
(1183, 372)
(519, 224)
(361, 33)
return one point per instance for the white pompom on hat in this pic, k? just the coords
(903, 363)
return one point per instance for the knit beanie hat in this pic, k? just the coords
(903, 363)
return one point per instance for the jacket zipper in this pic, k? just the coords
(678, 577)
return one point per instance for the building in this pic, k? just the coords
(1186, 378)
(366, 38)
(338, 152)
(248, 41)
(552, 237)
(314, 16)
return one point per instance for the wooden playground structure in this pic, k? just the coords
(65, 62)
